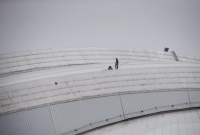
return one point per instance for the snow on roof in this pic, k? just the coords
(34, 89)
(28, 78)
(49, 58)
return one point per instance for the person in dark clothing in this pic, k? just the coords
(110, 68)
(116, 64)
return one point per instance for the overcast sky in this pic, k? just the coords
(145, 24)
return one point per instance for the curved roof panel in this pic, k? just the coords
(160, 124)
(16, 96)
(40, 59)
(73, 88)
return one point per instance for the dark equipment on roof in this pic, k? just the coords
(166, 49)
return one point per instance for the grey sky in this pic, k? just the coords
(145, 24)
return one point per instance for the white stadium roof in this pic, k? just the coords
(185, 122)
(85, 96)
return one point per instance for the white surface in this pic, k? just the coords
(174, 123)
(35, 88)
(133, 104)
(80, 114)
(23, 90)
(31, 122)
(51, 58)
(136, 73)
(80, 69)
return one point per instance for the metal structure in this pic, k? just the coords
(183, 122)
(73, 94)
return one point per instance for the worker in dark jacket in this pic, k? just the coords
(116, 64)
(109, 68)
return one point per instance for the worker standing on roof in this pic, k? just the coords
(116, 64)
